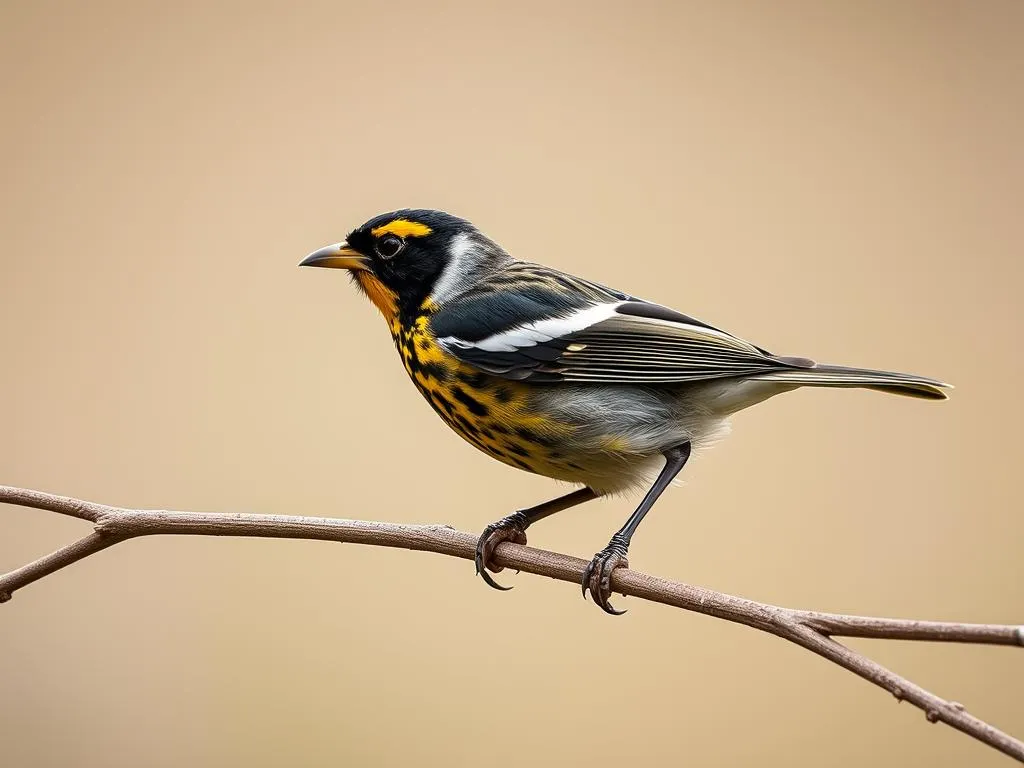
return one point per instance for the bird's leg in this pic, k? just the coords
(513, 528)
(598, 575)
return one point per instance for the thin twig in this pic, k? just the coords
(808, 629)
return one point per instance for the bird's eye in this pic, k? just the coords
(389, 246)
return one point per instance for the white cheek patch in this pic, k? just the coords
(537, 332)
(460, 262)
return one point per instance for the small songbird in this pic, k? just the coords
(561, 376)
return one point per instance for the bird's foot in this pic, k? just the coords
(598, 575)
(511, 528)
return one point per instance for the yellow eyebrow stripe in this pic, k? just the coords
(402, 228)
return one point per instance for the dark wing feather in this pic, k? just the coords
(545, 326)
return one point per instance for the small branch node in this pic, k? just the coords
(104, 524)
(109, 524)
(932, 715)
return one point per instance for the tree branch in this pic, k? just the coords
(808, 629)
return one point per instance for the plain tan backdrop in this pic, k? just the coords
(838, 180)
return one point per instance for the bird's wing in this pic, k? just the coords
(535, 324)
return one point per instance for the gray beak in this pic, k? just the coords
(337, 256)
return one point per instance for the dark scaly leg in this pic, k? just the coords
(597, 578)
(513, 528)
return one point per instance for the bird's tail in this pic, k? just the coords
(839, 376)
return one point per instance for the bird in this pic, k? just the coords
(562, 376)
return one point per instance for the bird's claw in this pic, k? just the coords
(598, 575)
(511, 528)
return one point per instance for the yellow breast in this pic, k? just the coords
(494, 414)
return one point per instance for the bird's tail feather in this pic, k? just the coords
(882, 381)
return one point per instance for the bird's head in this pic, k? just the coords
(407, 260)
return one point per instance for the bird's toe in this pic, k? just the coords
(511, 528)
(597, 578)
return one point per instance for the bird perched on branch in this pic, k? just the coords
(561, 376)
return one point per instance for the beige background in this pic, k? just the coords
(840, 180)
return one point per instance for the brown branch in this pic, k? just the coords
(809, 629)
